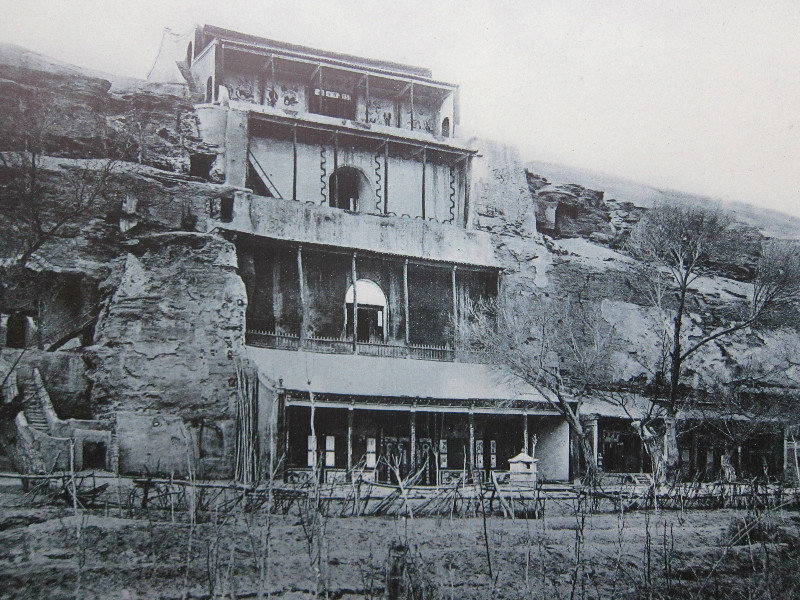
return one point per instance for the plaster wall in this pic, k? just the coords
(307, 223)
(315, 166)
(552, 448)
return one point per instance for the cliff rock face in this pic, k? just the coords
(164, 354)
(70, 112)
(169, 332)
(567, 241)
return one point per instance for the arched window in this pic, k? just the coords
(348, 186)
(210, 90)
(17, 331)
(446, 127)
(189, 54)
(372, 313)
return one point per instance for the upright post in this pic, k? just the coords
(366, 98)
(350, 438)
(471, 454)
(424, 164)
(286, 461)
(413, 444)
(336, 168)
(354, 276)
(294, 162)
(386, 177)
(525, 435)
(412, 106)
(303, 302)
(467, 182)
(405, 302)
(592, 423)
(455, 311)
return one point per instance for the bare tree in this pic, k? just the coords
(674, 245)
(35, 207)
(557, 345)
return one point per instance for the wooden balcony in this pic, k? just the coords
(344, 345)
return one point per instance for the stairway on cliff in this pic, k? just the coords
(32, 403)
(35, 415)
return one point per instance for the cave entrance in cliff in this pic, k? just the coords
(17, 328)
(347, 186)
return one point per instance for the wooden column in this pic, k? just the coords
(593, 432)
(455, 311)
(272, 73)
(350, 438)
(336, 167)
(366, 98)
(467, 181)
(277, 305)
(405, 302)
(413, 449)
(386, 178)
(471, 454)
(354, 276)
(424, 165)
(303, 300)
(525, 434)
(286, 462)
(294, 162)
(412, 106)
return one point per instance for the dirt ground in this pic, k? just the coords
(46, 551)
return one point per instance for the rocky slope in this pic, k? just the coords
(560, 237)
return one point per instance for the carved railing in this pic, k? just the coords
(328, 344)
(272, 339)
(344, 345)
(425, 352)
(381, 349)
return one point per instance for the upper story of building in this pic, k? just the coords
(334, 150)
(392, 98)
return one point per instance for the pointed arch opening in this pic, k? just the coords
(446, 127)
(372, 311)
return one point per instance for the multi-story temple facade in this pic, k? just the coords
(355, 241)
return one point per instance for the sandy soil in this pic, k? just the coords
(46, 551)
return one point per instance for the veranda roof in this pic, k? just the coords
(358, 375)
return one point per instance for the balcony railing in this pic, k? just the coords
(344, 345)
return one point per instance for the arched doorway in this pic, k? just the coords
(446, 127)
(372, 312)
(349, 187)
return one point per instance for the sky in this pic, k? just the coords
(702, 97)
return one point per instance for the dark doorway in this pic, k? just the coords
(200, 165)
(347, 186)
(370, 322)
(16, 331)
(446, 127)
(332, 103)
(94, 455)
